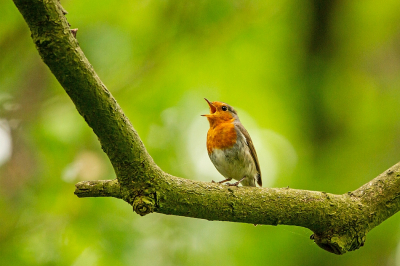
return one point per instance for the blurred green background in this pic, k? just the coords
(316, 83)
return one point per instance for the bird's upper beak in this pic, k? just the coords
(213, 109)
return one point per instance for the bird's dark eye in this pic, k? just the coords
(224, 108)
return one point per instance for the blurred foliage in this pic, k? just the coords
(316, 83)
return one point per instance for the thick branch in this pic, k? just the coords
(339, 222)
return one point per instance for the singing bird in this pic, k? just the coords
(230, 147)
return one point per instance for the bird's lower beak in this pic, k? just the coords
(213, 109)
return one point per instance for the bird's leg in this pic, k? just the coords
(223, 181)
(236, 183)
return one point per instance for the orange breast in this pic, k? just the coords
(222, 136)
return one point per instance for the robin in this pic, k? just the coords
(230, 147)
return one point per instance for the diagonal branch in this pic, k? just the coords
(339, 222)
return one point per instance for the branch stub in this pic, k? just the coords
(143, 205)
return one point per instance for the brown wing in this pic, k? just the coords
(252, 151)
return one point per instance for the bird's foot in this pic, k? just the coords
(236, 183)
(221, 182)
(233, 184)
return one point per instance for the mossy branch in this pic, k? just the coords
(339, 222)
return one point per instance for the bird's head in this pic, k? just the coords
(220, 112)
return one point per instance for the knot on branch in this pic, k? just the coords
(339, 244)
(143, 205)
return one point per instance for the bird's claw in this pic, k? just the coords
(233, 184)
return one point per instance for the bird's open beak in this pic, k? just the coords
(213, 109)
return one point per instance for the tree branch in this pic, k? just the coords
(339, 222)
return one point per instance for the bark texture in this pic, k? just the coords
(339, 222)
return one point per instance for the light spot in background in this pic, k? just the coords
(61, 121)
(160, 136)
(5, 97)
(11, 106)
(87, 258)
(170, 135)
(5, 141)
(184, 130)
(86, 166)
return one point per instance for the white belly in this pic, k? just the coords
(236, 163)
